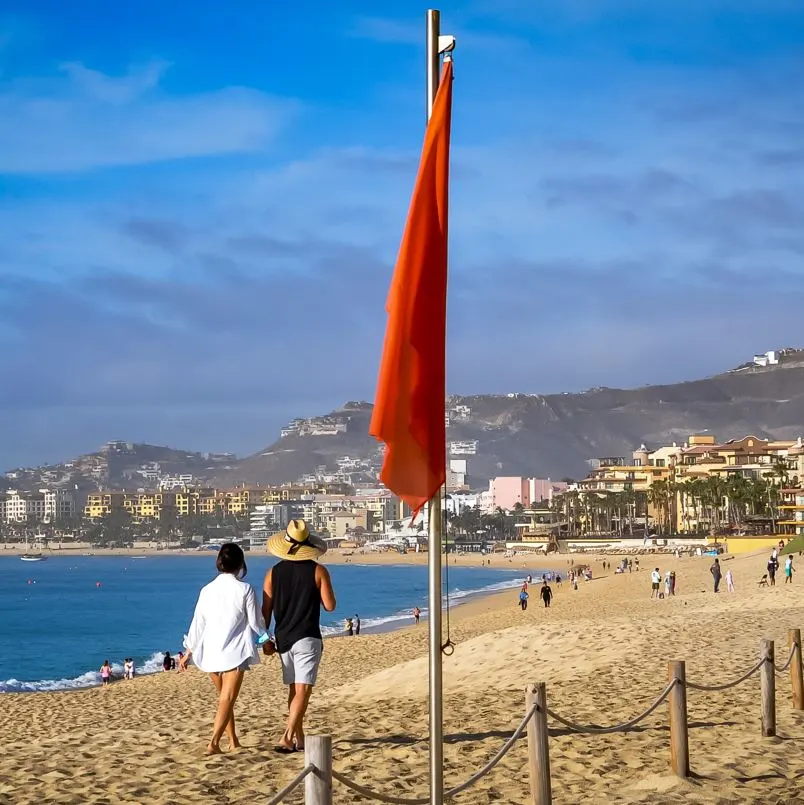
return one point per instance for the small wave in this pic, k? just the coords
(89, 679)
(456, 594)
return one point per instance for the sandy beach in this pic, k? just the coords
(603, 651)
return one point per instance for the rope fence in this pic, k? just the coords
(318, 774)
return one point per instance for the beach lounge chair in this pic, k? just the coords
(763, 582)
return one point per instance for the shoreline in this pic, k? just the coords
(394, 624)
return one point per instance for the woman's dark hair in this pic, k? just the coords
(231, 559)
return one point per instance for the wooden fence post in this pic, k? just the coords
(767, 682)
(538, 746)
(794, 639)
(318, 784)
(679, 737)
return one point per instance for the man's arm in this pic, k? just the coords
(267, 599)
(324, 583)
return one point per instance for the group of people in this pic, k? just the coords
(545, 592)
(656, 583)
(773, 567)
(352, 626)
(228, 628)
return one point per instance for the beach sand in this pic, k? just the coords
(602, 650)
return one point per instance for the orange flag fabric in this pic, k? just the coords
(409, 409)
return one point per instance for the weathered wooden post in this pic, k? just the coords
(679, 736)
(794, 642)
(767, 682)
(318, 784)
(538, 745)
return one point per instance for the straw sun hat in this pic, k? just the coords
(296, 543)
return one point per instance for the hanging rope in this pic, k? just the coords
(447, 647)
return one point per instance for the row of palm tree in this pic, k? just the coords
(709, 504)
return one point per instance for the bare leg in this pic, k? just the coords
(297, 710)
(231, 734)
(287, 739)
(228, 686)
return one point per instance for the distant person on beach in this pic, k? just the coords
(128, 668)
(655, 581)
(180, 658)
(729, 581)
(106, 673)
(523, 599)
(672, 582)
(357, 624)
(348, 626)
(667, 584)
(788, 569)
(221, 638)
(546, 594)
(716, 573)
(773, 564)
(294, 591)
(417, 613)
(168, 663)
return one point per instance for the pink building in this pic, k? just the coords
(505, 492)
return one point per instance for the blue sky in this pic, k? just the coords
(200, 204)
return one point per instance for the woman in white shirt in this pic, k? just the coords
(221, 639)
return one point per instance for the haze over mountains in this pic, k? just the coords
(536, 435)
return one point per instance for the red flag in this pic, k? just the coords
(409, 409)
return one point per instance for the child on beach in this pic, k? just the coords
(729, 581)
(106, 673)
(128, 668)
(221, 638)
(523, 599)
(788, 569)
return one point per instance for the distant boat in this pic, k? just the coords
(139, 557)
(33, 557)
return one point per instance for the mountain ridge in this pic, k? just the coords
(543, 435)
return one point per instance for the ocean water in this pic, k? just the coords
(60, 619)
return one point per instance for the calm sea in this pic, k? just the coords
(60, 619)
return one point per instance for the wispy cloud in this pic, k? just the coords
(86, 119)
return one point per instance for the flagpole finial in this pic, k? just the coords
(446, 44)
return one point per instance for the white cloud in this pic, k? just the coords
(85, 120)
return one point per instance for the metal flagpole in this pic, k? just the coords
(436, 45)
(434, 515)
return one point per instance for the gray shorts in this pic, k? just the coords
(300, 664)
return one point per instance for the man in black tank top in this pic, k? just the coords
(294, 591)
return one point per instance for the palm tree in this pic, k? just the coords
(657, 497)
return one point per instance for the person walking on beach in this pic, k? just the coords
(128, 668)
(523, 599)
(417, 613)
(221, 638)
(655, 581)
(788, 569)
(357, 624)
(667, 584)
(729, 581)
(106, 673)
(294, 591)
(348, 626)
(546, 594)
(716, 572)
(773, 564)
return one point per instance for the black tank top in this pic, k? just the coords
(297, 602)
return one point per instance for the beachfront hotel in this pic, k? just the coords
(702, 486)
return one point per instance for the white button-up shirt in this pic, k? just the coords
(225, 623)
